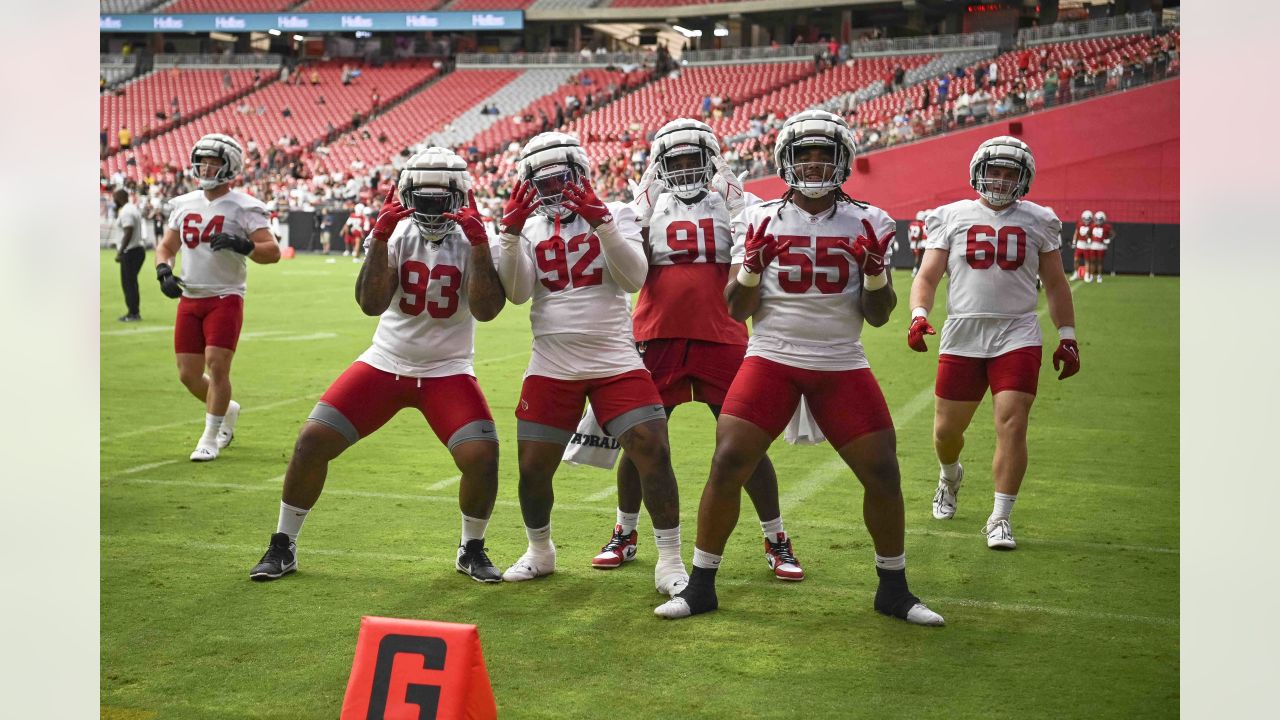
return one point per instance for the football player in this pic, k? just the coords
(808, 269)
(579, 259)
(992, 249)
(915, 235)
(353, 234)
(217, 230)
(1081, 243)
(685, 202)
(428, 276)
(1102, 236)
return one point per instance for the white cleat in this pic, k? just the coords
(227, 432)
(204, 453)
(944, 500)
(999, 535)
(531, 565)
(673, 609)
(670, 579)
(921, 615)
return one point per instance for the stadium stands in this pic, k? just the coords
(488, 5)
(549, 5)
(259, 116)
(659, 3)
(129, 6)
(218, 6)
(368, 5)
(198, 91)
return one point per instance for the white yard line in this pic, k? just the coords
(443, 483)
(148, 466)
(196, 421)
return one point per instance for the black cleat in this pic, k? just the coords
(895, 600)
(280, 559)
(473, 560)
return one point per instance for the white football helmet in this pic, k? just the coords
(434, 182)
(920, 216)
(548, 162)
(1002, 151)
(678, 138)
(1100, 217)
(814, 128)
(1086, 217)
(216, 145)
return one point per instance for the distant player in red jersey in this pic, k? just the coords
(1102, 237)
(992, 249)
(429, 276)
(810, 269)
(353, 234)
(216, 230)
(916, 237)
(685, 203)
(1081, 242)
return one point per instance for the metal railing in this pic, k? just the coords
(889, 46)
(117, 59)
(219, 60)
(553, 59)
(1101, 27)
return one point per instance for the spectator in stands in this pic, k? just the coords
(320, 99)
(1018, 97)
(980, 105)
(1051, 87)
(124, 137)
(1024, 63)
(315, 76)
(705, 106)
(257, 78)
(993, 73)
(102, 83)
(226, 79)
(102, 143)
(962, 110)
(346, 74)
(285, 112)
(944, 86)
(375, 99)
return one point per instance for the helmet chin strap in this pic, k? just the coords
(814, 193)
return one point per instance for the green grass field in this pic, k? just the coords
(1080, 622)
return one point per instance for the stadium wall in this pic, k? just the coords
(1117, 153)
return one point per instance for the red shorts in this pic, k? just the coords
(367, 398)
(1082, 255)
(692, 369)
(846, 404)
(966, 378)
(212, 321)
(1097, 254)
(558, 404)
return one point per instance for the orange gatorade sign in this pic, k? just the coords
(417, 670)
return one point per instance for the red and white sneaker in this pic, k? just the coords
(620, 548)
(782, 559)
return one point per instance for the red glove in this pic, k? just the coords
(519, 207)
(1068, 356)
(391, 214)
(582, 200)
(468, 218)
(761, 248)
(915, 335)
(868, 250)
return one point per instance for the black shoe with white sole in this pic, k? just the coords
(473, 560)
(280, 559)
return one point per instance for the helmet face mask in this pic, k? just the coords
(1100, 217)
(685, 170)
(549, 183)
(550, 161)
(1002, 170)
(429, 205)
(434, 182)
(999, 180)
(814, 153)
(1086, 217)
(215, 160)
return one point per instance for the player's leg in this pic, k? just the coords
(220, 328)
(1014, 377)
(546, 417)
(359, 402)
(850, 410)
(630, 409)
(459, 415)
(959, 388)
(757, 409)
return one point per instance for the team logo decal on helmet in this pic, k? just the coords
(1006, 152)
(550, 161)
(223, 147)
(814, 128)
(684, 150)
(434, 182)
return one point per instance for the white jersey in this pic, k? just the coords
(206, 273)
(581, 317)
(1099, 239)
(428, 329)
(809, 315)
(1083, 238)
(128, 216)
(680, 233)
(993, 259)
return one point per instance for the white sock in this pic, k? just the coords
(950, 472)
(772, 528)
(473, 528)
(668, 544)
(898, 562)
(291, 519)
(705, 560)
(212, 424)
(1003, 506)
(540, 539)
(628, 521)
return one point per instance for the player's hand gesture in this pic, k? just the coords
(728, 185)
(389, 217)
(915, 334)
(1067, 356)
(521, 204)
(468, 218)
(581, 199)
(645, 193)
(761, 248)
(869, 251)
(170, 285)
(227, 241)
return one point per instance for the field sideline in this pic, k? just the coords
(1080, 622)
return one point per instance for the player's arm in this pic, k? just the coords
(377, 282)
(1062, 312)
(125, 239)
(870, 253)
(619, 235)
(878, 303)
(167, 248)
(925, 287)
(515, 266)
(484, 290)
(265, 248)
(743, 299)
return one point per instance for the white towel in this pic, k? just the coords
(590, 445)
(803, 429)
